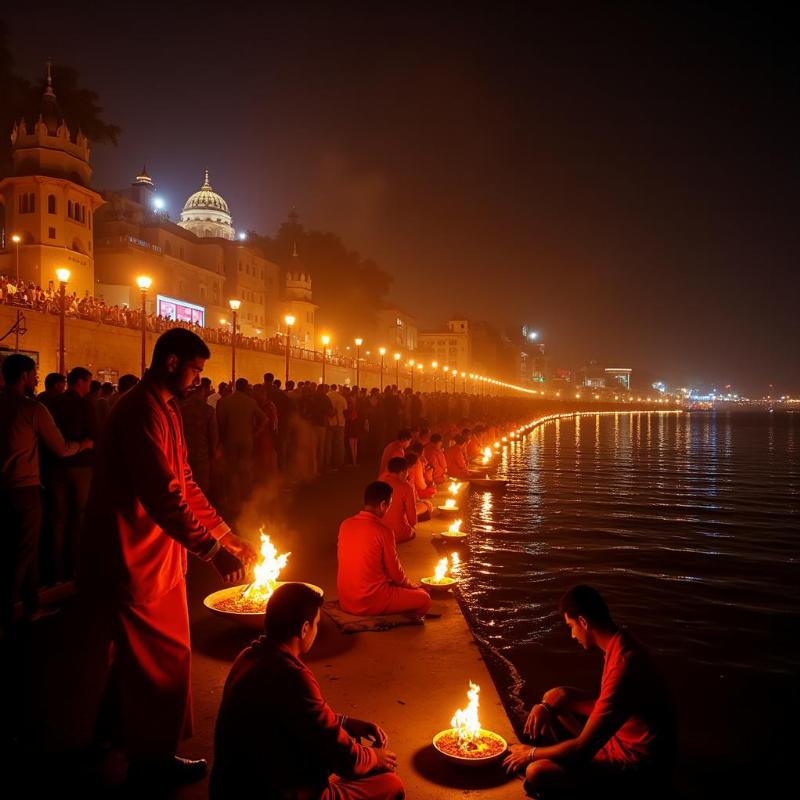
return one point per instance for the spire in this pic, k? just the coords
(206, 184)
(49, 90)
(143, 179)
(50, 111)
(294, 249)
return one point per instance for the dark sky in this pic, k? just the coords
(622, 177)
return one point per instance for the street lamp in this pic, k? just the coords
(63, 276)
(289, 320)
(446, 370)
(235, 306)
(420, 368)
(16, 238)
(326, 340)
(397, 369)
(382, 351)
(411, 370)
(144, 283)
(359, 342)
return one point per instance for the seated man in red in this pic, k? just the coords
(370, 579)
(395, 449)
(435, 456)
(621, 741)
(401, 516)
(424, 506)
(456, 461)
(275, 734)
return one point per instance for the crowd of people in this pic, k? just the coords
(120, 483)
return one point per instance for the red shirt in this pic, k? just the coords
(435, 456)
(456, 463)
(392, 450)
(368, 565)
(634, 707)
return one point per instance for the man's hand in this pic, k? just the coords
(240, 548)
(519, 756)
(539, 722)
(387, 761)
(358, 728)
(229, 566)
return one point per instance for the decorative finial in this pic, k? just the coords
(49, 90)
(294, 249)
(206, 184)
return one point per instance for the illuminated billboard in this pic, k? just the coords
(170, 308)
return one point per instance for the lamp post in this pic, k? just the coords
(411, 371)
(382, 351)
(235, 305)
(446, 370)
(289, 320)
(144, 283)
(16, 238)
(63, 276)
(359, 342)
(420, 368)
(397, 370)
(326, 340)
(434, 365)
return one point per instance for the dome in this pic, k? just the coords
(206, 213)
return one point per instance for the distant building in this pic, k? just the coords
(396, 330)
(48, 202)
(298, 302)
(451, 347)
(618, 375)
(206, 214)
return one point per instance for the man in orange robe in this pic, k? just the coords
(395, 449)
(401, 516)
(145, 513)
(456, 461)
(435, 456)
(370, 579)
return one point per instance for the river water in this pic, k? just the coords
(689, 525)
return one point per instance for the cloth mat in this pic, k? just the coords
(350, 623)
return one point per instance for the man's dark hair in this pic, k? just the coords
(53, 379)
(458, 439)
(289, 386)
(415, 447)
(241, 384)
(108, 388)
(268, 378)
(205, 382)
(78, 374)
(181, 343)
(127, 382)
(437, 437)
(378, 491)
(411, 459)
(403, 433)
(276, 384)
(288, 608)
(397, 464)
(584, 601)
(94, 387)
(15, 366)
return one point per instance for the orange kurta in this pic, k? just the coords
(436, 458)
(392, 450)
(402, 514)
(456, 462)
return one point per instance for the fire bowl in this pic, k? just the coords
(448, 509)
(254, 618)
(456, 537)
(488, 749)
(438, 587)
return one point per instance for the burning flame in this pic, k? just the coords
(454, 488)
(465, 722)
(487, 453)
(266, 571)
(450, 503)
(455, 526)
(441, 571)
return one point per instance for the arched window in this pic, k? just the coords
(51, 204)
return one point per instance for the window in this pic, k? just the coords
(83, 214)
(69, 208)
(51, 204)
(51, 233)
(27, 203)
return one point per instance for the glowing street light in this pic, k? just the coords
(382, 351)
(235, 306)
(144, 282)
(289, 320)
(326, 340)
(63, 277)
(359, 342)
(16, 238)
(396, 357)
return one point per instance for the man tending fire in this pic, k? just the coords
(146, 513)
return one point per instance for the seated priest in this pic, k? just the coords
(618, 743)
(277, 737)
(420, 472)
(434, 454)
(456, 461)
(401, 516)
(395, 449)
(370, 578)
(424, 506)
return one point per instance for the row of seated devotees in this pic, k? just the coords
(621, 740)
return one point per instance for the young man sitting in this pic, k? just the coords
(401, 516)
(370, 579)
(275, 734)
(456, 460)
(434, 454)
(395, 449)
(622, 741)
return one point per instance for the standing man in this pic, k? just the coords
(23, 424)
(337, 426)
(202, 436)
(145, 513)
(70, 479)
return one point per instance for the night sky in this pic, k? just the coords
(623, 178)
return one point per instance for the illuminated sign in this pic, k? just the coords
(180, 310)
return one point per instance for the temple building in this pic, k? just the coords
(47, 206)
(206, 214)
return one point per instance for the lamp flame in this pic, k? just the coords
(465, 722)
(440, 572)
(455, 526)
(454, 488)
(266, 571)
(450, 503)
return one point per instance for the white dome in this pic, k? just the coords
(206, 213)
